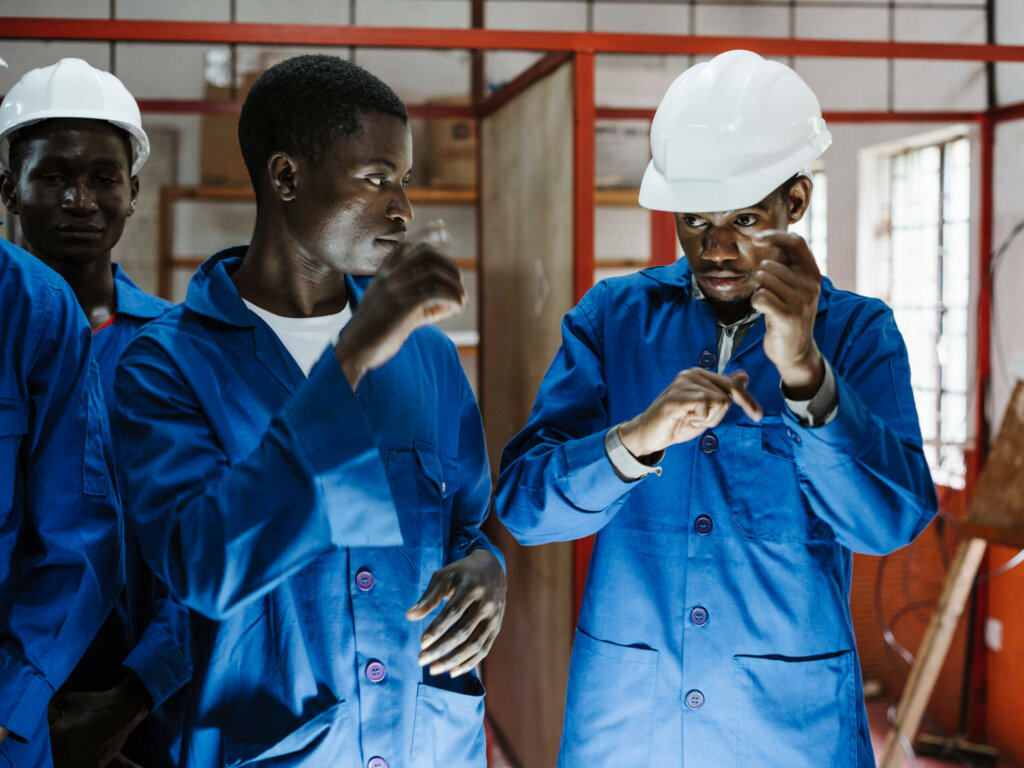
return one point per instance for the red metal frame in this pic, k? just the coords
(584, 46)
(584, 143)
(485, 39)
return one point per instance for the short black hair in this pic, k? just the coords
(17, 142)
(303, 105)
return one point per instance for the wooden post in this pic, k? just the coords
(933, 650)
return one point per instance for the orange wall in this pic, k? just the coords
(1006, 667)
(914, 573)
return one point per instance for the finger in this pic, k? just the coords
(769, 303)
(454, 636)
(773, 283)
(781, 273)
(462, 653)
(791, 248)
(479, 656)
(440, 588)
(451, 613)
(743, 398)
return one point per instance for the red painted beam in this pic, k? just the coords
(510, 90)
(584, 141)
(1008, 112)
(663, 238)
(485, 39)
(978, 661)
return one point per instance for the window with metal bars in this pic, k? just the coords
(929, 290)
(813, 227)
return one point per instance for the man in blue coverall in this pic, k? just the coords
(314, 497)
(60, 521)
(715, 625)
(71, 146)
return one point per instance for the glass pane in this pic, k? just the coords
(954, 418)
(926, 412)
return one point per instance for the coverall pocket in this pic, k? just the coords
(449, 728)
(13, 426)
(300, 747)
(610, 704)
(419, 489)
(798, 712)
(765, 497)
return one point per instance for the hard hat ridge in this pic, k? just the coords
(728, 132)
(72, 88)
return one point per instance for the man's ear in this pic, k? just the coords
(283, 172)
(798, 199)
(135, 195)
(8, 191)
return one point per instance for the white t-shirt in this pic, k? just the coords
(305, 337)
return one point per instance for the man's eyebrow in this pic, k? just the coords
(383, 161)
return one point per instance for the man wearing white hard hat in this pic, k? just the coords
(71, 147)
(715, 625)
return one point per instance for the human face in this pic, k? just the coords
(73, 190)
(720, 246)
(350, 210)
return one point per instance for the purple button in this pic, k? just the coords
(695, 699)
(364, 579)
(707, 360)
(699, 616)
(709, 442)
(375, 671)
(703, 525)
(377, 762)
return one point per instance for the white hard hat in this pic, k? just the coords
(728, 132)
(72, 88)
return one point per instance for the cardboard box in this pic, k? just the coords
(621, 153)
(452, 149)
(220, 159)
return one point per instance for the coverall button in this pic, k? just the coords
(444, 486)
(707, 360)
(709, 442)
(375, 671)
(699, 616)
(377, 762)
(364, 579)
(695, 699)
(703, 525)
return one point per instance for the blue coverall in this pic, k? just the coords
(60, 521)
(301, 521)
(147, 631)
(715, 626)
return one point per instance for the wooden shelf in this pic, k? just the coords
(619, 198)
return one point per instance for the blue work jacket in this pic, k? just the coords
(299, 521)
(715, 626)
(147, 631)
(60, 520)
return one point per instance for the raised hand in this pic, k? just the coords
(416, 285)
(788, 286)
(696, 400)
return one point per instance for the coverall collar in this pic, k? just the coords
(133, 301)
(212, 294)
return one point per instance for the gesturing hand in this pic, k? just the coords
(696, 400)
(415, 286)
(787, 291)
(461, 635)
